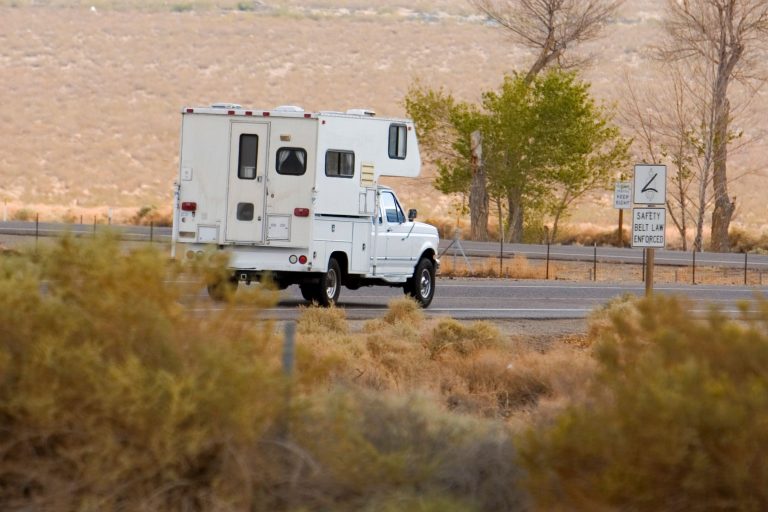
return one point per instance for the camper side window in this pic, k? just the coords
(340, 164)
(291, 161)
(249, 145)
(398, 135)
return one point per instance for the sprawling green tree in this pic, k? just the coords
(546, 143)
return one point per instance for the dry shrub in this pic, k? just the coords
(744, 241)
(115, 394)
(593, 236)
(518, 267)
(112, 396)
(319, 320)
(678, 409)
(402, 453)
(403, 310)
(451, 335)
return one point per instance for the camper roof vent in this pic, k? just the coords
(224, 104)
(289, 108)
(361, 112)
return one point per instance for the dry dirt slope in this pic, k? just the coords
(91, 98)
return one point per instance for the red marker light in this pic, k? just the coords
(302, 259)
(248, 113)
(231, 112)
(190, 111)
(189, 206)
(265, 114)
(301, 212)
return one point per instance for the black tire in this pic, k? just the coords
(221, 290)
(308, 291)
(330, 284)
(422, 285)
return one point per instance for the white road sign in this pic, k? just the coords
(648, 227)
(650, 184)
(622, 195)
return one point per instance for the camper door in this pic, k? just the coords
(247, 181)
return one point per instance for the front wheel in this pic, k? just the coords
(422, 285)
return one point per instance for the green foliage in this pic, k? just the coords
(545, 142)
(677, 418)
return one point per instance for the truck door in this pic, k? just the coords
(398, 257)
(247, 180)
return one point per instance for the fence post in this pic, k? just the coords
(37, 229)
(693, 272)
(289, 346)
(94, 226)
(643, 270)
(745, 266)
(594, 264)
(547, 274)
(151, 231)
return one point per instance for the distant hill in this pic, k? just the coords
(91, 95)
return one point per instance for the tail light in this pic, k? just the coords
(301, 212)
(189, 206)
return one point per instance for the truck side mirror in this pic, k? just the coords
(411, 214)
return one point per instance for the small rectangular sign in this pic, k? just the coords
(622, 195)
(650, 185)
(649, 226)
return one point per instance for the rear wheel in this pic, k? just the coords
(327, 291)
(223, 288)
(422, 285)
(330, 284)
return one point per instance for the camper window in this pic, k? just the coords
(397, 141)
(246, 168)
(340, 164)
(244, 211)
(291, 161)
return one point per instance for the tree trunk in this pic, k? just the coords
(724, 206)
(515, 216)
(478, 193)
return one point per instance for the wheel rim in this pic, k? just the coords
(425, 283)
(331, 284)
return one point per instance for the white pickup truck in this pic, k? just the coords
(295, 195)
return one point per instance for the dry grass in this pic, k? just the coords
(468, 368)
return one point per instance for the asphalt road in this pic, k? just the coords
(498, 299)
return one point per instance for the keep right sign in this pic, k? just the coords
(648, 227)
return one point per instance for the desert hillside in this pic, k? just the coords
(92, 91)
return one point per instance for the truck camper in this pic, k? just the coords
(295, 196)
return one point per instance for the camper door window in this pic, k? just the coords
(249, 145)
(398, 135)
(339, 164)
(291, 161)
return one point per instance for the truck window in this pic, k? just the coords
(391, 208)
(291, 161)
(398, 134)
(249, 145)
(339, 164)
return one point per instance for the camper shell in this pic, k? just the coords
(296, 195)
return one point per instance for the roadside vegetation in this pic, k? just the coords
(120, 390)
